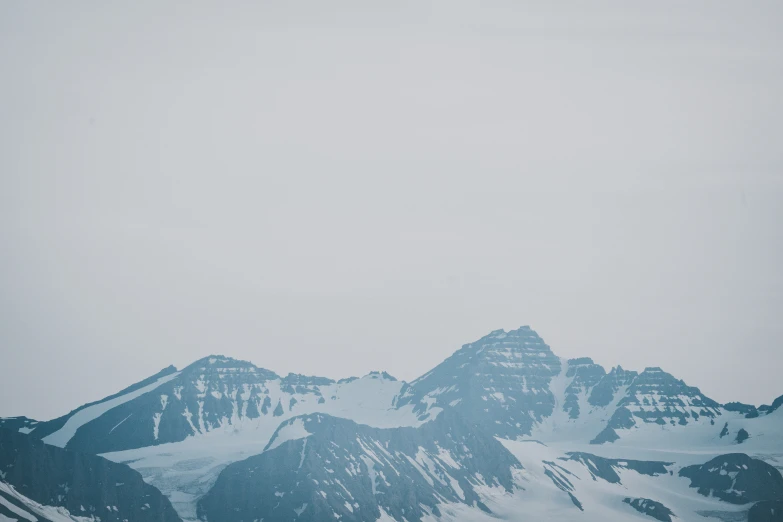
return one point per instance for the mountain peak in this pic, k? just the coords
(297, 379)
(501, 380)
(220, 360)
(380, 375)
(224, 364)
(580, 361)
(776, 404)
(524, 335)
(500, 333)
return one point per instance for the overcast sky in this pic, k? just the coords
(333, 188)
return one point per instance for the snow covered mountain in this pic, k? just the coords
(500, 382)
(501, 429)
(318, 467)
(181, 428)
(220, 394)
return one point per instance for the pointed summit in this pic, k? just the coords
(604, 392)
(522, 346)
(500, 381)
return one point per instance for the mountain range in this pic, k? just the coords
(501, 430)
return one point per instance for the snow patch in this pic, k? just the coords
(61, 437)
(292, 431)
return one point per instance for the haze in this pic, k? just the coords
(336, 188)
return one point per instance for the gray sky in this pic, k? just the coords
(333, 188)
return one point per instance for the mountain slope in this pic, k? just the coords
(84, 413)
(319, 467)
(219, 411)
(219, 394)
(36, 477)
(500, 382)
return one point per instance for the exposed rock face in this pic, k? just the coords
(85, 485)
(650, 508)
(319, 467)
(653, 396)
(561, 478)
(766, 511)
(736, 478)
(656, 396)
(500, 382)
(776, 404)
(585, 374)
(43, 429)
(606, 469)
(622, 418)
(295, 383)
(605, 390)
(20, 424)
(748, 410)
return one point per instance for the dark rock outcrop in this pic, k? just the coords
(605, 390)
(86, 485)
(20, 424)
(622, 418)
(606, 469)
(766, 511)
(736, 478)
(748, 410)
(561, 478)
(585, 375)
(776, 404)
(650, 508)
(42, 429)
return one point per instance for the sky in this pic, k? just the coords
(334, 188)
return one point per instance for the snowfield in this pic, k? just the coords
(184, 471)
